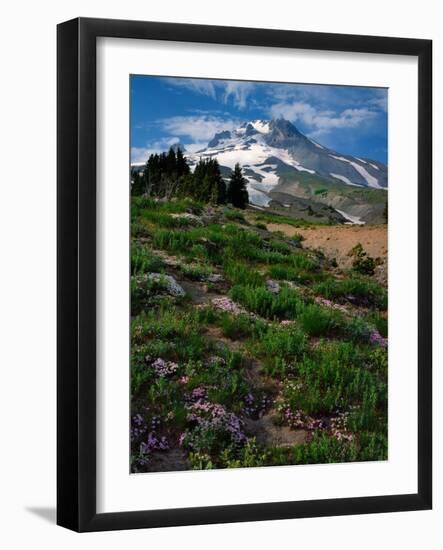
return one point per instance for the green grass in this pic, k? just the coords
(144, 261)
(284, 272)
(171, 326)
(335, 376)
(142, 205)
(321, 362)
(237, 327)
(240, 273)
(284, 305)
(235, 216)
(320, 321)
(272, 217)
(365, 290)
(196, 272)
(279, 347)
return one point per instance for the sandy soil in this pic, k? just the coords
(336, 241)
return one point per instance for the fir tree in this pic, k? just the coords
(182, 165)
(237, 192)
(137, 183)
(385, 212)
(164, 174)
(208, 184)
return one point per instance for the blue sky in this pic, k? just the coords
(165, 110)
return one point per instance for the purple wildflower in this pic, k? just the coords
(164, 368)
(377, 339)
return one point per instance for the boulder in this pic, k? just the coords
(168, 282)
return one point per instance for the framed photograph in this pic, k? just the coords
(244, 274)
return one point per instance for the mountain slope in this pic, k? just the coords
(275, 153)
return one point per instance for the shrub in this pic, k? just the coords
(223, 376)
(373, 446)
(362, 290)
(357, 330)
(279, 246)
(166, 220)
(334, 377)
(280, 348)
(297, 239)
(144, 261)
(287, 342)
(139, 229)
(320, 321)
(240, 273)
(234, 216)
(236, 327)
(247, 456)
(287, 273)
(196, 272)
(380, 322)
(284, 305)
(179, 331)
(362, 263)
(324, 449)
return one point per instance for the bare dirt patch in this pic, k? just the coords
(269, 434)
(335, 241)
(170, 461)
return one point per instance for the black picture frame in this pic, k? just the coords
(76, 266)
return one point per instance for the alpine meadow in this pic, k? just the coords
(258, 274)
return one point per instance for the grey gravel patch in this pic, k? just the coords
(214, 278)
(192, 218)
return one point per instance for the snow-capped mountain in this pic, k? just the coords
(275, 152)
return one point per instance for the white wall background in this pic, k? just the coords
(27, 273)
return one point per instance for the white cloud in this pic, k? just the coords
(141, 154)
(198, 128)
(194, 130)
(200, 86)
(380, 102)
(228, 91)
(238, 92)
(321, 121)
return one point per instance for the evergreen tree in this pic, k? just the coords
(164, 174)
(237, 192)
(208, 184)
(137, 183)
(385, 212)
(182, 165)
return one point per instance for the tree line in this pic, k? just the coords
(168, 175)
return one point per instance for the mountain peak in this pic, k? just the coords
(252, 127)
(280, 126)
(284, 127)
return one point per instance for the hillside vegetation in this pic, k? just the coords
(248, 349)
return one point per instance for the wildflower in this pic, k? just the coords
(210, 417)
(153, 443)
(377, 339)
(228, 305)
(255, 406)
(164, 368)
